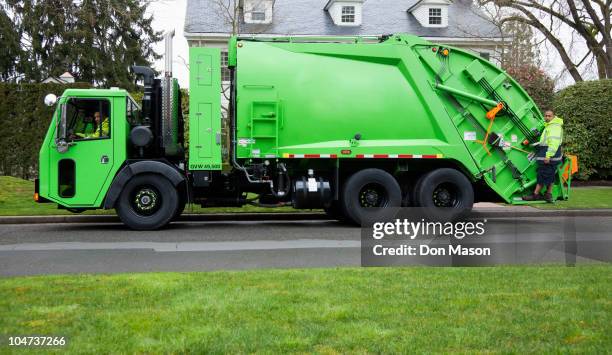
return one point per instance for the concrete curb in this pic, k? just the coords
(184, 217)
(492, 213)
(535, 213)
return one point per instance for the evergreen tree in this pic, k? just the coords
(97, 41)
(11, 49)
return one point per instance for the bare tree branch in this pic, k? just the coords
(592, 28)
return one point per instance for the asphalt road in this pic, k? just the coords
(231, 245)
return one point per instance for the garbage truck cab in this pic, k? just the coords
(348, 125)
(78, 158)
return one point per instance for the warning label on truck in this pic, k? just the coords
(469, 136)
(243, 142)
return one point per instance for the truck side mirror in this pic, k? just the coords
(60, 129)
(50, 99)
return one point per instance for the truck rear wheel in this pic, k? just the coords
(369, 194)
(147, 202)
(445, 188)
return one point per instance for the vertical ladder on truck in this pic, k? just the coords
(264, 124)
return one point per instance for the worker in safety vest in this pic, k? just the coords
(102, 128)
(83, 127)
(548, 155)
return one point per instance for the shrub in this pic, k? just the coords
(24, 120)
(537, 84)
(586, 110)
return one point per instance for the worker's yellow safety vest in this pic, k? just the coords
(550, 140)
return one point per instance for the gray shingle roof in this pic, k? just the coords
(308, 17)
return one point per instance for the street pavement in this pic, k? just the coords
(57, 248)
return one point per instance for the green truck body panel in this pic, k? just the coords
(205, 109)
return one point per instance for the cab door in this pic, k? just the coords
(81, 166)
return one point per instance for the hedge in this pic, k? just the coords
(586, 109)
(24, 120)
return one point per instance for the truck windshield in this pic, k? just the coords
(133, 112)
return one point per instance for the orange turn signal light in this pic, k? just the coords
(36, 196)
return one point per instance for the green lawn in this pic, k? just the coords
(545, 309)
(583, 197)
(16, 199)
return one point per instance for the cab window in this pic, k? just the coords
(88, 119)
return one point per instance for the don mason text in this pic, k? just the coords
(428, 250)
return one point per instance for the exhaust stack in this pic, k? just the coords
(168, 54)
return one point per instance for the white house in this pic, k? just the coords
(65, 78)
(453, 22)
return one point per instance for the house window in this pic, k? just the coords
(485, 55)
(258, 16)
(225, 72)
(435, 16)
(348, 14)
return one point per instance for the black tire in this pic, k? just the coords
(182, 194)
(147, 202)
(445, 188)
(181, 208)
(369, 195)
(413, 192)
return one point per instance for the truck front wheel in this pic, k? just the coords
(147, 202)
(370, 195)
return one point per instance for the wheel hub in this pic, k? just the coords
(146, 199)
(371, 197)
(443, 197)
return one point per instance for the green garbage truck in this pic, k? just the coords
(349, 125)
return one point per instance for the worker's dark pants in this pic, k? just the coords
(546, 172)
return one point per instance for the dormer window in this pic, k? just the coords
(345, 12)
(258, 11)
(348, 14)
(431, 13)
(435, 16)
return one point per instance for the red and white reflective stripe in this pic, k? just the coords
(313, 156)
(401, 156)
(367, 156)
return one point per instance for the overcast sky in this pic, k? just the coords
(168, 15)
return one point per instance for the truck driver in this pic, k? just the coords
(101, 128)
